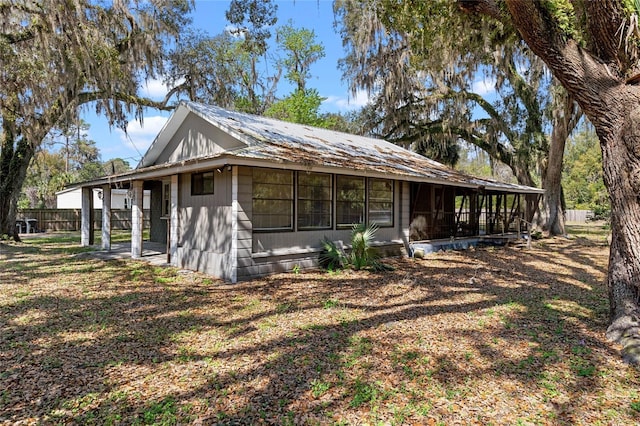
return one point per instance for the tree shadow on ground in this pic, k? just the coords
(491, 335)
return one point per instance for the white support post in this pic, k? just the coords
(233, 258)
(173, 222)
(106, 217)
(86, 227)
(137, 219)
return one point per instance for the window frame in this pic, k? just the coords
(343, 225)
(166, 199)
(291, 200)
(202, 191)
(300, 200)
(392, 201)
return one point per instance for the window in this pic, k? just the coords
(381, 202)
(166, 198)
(349, 200)
(272, 199)
(314, 201)
(202, 183)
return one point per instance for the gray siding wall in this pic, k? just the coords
(195, 138)
(205, 232)
(246, 265)
(205, 227)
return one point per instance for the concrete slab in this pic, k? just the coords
(153, 253)
(433, 246)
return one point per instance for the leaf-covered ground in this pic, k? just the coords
(487, 336)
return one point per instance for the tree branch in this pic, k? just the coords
(584, 75)
(605, 23)
(86, 97)
(482, 7)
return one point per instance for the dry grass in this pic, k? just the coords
(487, 336)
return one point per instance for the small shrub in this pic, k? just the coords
(363, 254)
(332, 257)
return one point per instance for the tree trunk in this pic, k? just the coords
(621, 160)
(566, 116)
(596, 78)
(522, 172)
(14, 161)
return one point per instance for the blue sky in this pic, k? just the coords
(209, 16)
(316, 15)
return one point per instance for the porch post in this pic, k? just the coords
(233, 259)
(137, 219)
(173, 222)
(86, 227)
(106, 217)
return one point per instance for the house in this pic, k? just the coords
(71, 198)
(238, 196)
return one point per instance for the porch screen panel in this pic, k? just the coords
(349, 200)
(381, 202)
(272, 199)
(314, 201)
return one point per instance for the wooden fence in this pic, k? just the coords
(70, 219)
(578, 216)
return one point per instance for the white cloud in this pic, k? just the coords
(154, 89)
(348, 103)
(484, 86)
(140, 136)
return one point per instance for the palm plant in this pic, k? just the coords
(362, 253)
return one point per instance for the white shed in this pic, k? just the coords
(120, 199)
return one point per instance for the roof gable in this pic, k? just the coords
(186, 136)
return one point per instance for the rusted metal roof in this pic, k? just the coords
(277, 142)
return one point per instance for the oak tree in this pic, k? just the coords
(424, 82)
(593, 49)
(56, 57)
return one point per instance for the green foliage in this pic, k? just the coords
(301, 51)
(77, 159)
(332, 257)
(252, 19)
(318, 387)
(441, 151)
(116, 166)
(300, 107)
(362, 255)
(363, 393)
(330, 303)
(582, 175)
(56, 57)
(426, 82)
(213, 69)
(563, 13)
(160, 413)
